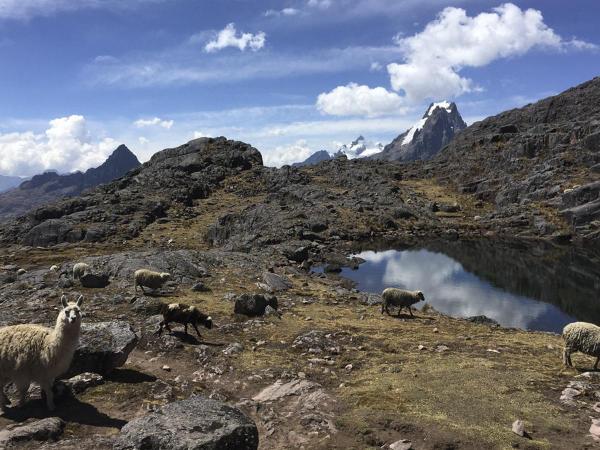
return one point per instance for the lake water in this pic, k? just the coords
(522, 287)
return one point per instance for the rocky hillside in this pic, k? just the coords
(50, 186)
(295, 358)
(538, 165)
(427, 137)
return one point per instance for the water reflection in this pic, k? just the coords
(454, 290)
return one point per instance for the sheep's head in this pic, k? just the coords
(165, 276)
(71, 312)
(420, 296)
(201, 318)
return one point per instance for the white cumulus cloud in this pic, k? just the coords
(65, 146)
(155, 121)
(287, 154)
(435, 57)
(229, 37)
(354, 99)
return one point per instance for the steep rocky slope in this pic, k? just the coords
(538, 164)
(50, 186)
(427, 137)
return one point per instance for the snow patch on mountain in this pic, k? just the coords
(421, 123)
(360, 148)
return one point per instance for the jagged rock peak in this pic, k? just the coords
(427, 136)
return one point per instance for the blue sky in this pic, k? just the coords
(290, 77)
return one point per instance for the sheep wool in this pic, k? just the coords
(581, 337)
(32, 353)
(401, 298)
(183, 314)
(148, 278)
(80, 269)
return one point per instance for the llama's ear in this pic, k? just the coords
(80, 301)
(63, 301)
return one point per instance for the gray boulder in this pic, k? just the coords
(103, 347)
(94, 281)
(41, 430)
(197, 423)
(254, 304)
(276, 282)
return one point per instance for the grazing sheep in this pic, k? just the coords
(581, 337)
(401, 298)
(80, 269)
(149, 279)
(183, 314)
(39, 354)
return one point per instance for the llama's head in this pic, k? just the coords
(71, 313)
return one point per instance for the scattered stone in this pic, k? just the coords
(234, 348)
(568, 396)
(166, 368)
(595, 429)
(442, 348)
(483, 320)
(197, 423)
(200, 287)
(270, 311)
(492, 350)
(518, 427)
(147, 305)
(49, 429)
(103, 347)
(402, 444)
(435, 330)
(82, 382)
(280, 389)
(348, 368)
(276, 282)
(421, 347)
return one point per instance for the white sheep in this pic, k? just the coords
(32, 353)
(581, 337)
(80, 269)
(401, 298)
(148, 278)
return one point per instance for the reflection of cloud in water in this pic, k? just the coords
(452, 290)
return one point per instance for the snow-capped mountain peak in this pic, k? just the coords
(360, 148)
(421, 123)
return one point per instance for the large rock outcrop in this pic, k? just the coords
(173, 178)
(196, 423)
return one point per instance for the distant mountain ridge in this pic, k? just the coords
(427, 137)
(8, 182)
(359, 148)
(50, 186)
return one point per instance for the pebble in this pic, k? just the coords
(435, 330)
(349, 367)
(518, 427)
(421, 347)
(166, 368)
